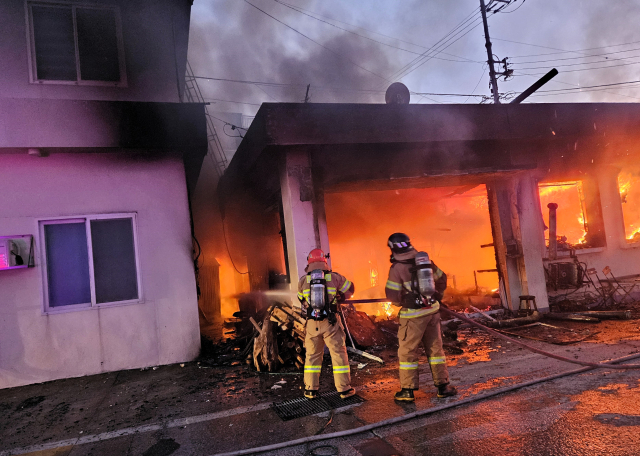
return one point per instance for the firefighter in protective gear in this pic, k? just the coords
(419, 318)
(320, 291)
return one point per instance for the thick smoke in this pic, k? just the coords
(237, 41)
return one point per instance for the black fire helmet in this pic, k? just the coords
(399, 243)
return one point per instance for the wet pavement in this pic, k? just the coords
(200, 409)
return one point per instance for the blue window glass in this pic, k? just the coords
(67, 264)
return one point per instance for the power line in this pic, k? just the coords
(316, 42)
(594, 86)
(299, 10)
(429, 49)
(282, 85)
(477, 84)
(365, 29)
(578, 64)
(461, 25)
(583, 69)
(437, 51)
(230, 101)
(561, 51)
(581, 57)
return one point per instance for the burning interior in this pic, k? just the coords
(451, 223)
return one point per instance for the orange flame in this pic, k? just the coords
(630, 198)
(385, 309)
(570, 200)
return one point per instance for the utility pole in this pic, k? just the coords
(492, 71)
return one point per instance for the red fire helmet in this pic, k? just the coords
(315, 256)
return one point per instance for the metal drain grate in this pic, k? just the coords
(297, 408)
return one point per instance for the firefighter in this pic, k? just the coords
(417, 284)
(320, 291)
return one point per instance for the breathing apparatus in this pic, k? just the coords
(319, 305)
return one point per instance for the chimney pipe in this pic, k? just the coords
(553, 237)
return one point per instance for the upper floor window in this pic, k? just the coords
(75, 44)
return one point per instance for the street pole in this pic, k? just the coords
(492, 71)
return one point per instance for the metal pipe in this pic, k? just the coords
(553, 231)
(535, 86)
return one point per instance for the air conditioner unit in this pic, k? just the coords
(564, 275)
(9, 254)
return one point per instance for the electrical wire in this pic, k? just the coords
(429, 49)
(576, 58)
(418, 65)
(515, 9)
(564, 52)
(229, 101)
(477, 84)
(580, 69)
(561, 51)
(368, 38)
(406, 69)
(314, 41)
(593, 86)
(228, 123)
(224, 233)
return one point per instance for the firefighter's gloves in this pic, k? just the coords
(437, 296)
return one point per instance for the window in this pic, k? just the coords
(90, 261)
(75, 44)
(630, 197)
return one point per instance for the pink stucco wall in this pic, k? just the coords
(154, 37)
(163, 329)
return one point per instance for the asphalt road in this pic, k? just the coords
(195, 410)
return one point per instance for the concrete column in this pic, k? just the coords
(505, 230)
(303, 212)
(532, 238)
(613, 218)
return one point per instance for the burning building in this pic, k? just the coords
(470, 184)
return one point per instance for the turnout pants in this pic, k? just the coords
(412, 332)
(318, 334)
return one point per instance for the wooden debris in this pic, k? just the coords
(265, 346)
(514, 321)
(606, 314)
(571, 317)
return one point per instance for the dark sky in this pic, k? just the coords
(233, 40)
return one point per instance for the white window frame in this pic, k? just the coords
(87, 221)
(31, 51)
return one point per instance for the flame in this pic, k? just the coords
(630, 198)
(373, 275)
(385, 309)
(570, 199)
(449, 223)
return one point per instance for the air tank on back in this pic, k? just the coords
(424, 274)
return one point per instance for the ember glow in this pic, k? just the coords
(571, 220)
(628, 183)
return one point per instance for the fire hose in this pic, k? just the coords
(399, 419)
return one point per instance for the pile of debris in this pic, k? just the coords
(279, 339)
